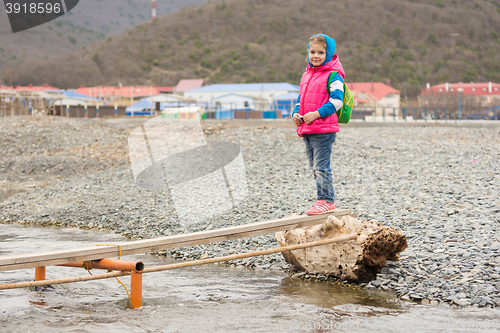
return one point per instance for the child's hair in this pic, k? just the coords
(318, 39)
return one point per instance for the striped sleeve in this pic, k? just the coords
(336, 97)
(296, 108)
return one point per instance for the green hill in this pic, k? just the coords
(409, 42)
(89, 22)
(112, 17)
(44, 42)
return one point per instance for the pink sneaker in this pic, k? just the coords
(321, 207)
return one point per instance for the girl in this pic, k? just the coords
(316, 118)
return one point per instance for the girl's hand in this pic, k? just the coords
(311, 116)
(296, 120)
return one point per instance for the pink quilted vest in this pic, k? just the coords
(314, 93)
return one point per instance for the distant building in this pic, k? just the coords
(262, 93)
(165, 89)
(188, 84)
(122, 96)
(488, 93)
(72, 98)
(26, 100)
(236, 102)
(374, 96)
(156, 103)
(29, 88)
(285, 103)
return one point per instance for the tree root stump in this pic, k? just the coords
(358, 260)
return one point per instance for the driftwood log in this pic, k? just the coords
(358, 260)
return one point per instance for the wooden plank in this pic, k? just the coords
(32, 260)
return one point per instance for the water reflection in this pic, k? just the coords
(332, 293)
(205, 298)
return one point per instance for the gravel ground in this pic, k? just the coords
(440, 185)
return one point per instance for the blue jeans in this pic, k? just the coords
(319, 150)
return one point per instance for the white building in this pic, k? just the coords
(264, 92)
(73, 99)
(236, 102)
(164, 98)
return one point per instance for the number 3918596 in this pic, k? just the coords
(33, 8)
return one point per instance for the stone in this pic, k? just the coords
(461, 302)
(487, 300)
(436, 236)
(416, 297)
(297, 275)
(452, 212)
(495, 246)
(475, 300)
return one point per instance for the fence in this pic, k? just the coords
(408, 114)
(80, 111)
(244, 114)
(210, 111)
(10, 106)
(358, 114)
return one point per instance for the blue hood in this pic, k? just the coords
(330, 49)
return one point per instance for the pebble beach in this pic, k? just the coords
(439, 184)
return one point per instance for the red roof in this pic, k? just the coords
(473, 88)
(166, 89)
(377, 89)
(135, 91)
(185, 85)
(30, 88)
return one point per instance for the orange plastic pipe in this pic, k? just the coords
(110, 264)
(40, 273)
(135, 267)
(136, 289)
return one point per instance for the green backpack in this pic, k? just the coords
(344, 114)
